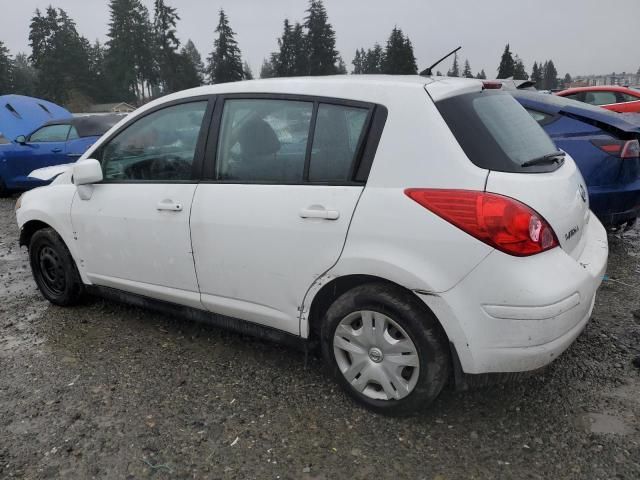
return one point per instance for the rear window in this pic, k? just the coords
(496, 132)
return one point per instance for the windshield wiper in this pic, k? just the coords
(549, 158)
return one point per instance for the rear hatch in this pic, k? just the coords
(498, 134)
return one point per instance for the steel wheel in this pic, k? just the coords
(376, 355)
(51, 271)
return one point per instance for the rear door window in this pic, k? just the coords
(600, 98)
(625, 97)
(338, 133)
(496, 132)
(263, 140)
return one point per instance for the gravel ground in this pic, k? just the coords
(108, 391)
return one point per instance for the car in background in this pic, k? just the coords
(20, 115)
(611, 97)
(603, 144)
(56, 142)
(416, 229)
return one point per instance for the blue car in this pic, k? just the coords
(54, 143)
(603, 144)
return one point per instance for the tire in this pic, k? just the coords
(53, 268)
(387, 373)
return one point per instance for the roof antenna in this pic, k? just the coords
(427, 71)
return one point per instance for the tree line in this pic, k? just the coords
(143, 57)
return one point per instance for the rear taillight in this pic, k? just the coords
(498, 221)
(619, 148)
(491, 85)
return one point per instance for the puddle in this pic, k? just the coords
(603, 423)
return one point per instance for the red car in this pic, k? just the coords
(611, 97)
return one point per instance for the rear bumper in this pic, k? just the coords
(519, 314)
(615, 205)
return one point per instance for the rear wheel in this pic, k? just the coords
(386, 350)
(53, 268)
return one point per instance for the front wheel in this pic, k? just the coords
(385, 349)
(53, 268)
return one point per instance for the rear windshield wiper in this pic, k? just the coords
(549, 158)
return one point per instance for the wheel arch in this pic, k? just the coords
(336, 287)
(29, 228)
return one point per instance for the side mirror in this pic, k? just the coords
(87, 172)
(21, 139)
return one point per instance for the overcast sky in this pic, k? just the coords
(581, 36)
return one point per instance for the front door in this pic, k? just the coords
(133, 233)
(275, 215)
(44, 147)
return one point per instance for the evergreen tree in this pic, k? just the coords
(6, 70)
(129, 59)
(549, 76)
(506, 67)
(519, 71)
(225, 61)
(292, 55)
(268, 69)
(455, 68)
(398, 56)
(59, 54)
(24, 76)
(481, 75)
(320, 40)
(189, 50)
(247, 74)
(536, 75)
(566, 82)
(358, 62)
(373, 61)
(341, 68)
(467, 73)
(165, 20)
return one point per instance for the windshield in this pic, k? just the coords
(496, 133)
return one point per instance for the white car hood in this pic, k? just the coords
(49, 173)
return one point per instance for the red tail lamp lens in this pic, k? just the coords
(498, 221)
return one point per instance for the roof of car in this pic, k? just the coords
(365, 88)
(597, 88)
(89, 125)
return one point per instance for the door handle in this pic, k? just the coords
(56, 150)
(74, 155)
(319, 212)
(169, 205)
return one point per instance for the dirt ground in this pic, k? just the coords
(109, 391)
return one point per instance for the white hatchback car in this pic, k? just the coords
(418, 229)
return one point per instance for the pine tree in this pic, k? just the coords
(519, 71)
(24, 76)
(373, 61)
(506, 67)
(455, 68)
(190, 50)
(291, 57)
(398, 56)
(268, 69)
(536, 75)
(481, 75)
(6, 71)
(358, 62)
(225, 61)
(320, 40)
(59, 54)
(166, 43)
(247, 74)
(467, 73)
(341, 68)
(549, 76)
(566, 82)
(129, 59)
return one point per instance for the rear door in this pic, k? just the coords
(274, 214)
